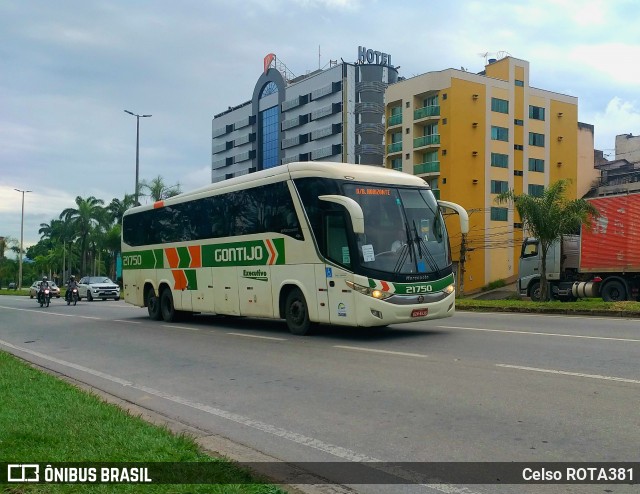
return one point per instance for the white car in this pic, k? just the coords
(92, 287)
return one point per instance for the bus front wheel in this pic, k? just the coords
(166, 306)
(297, 313)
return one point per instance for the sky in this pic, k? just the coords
(69, 69)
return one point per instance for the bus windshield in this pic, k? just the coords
(404, 229)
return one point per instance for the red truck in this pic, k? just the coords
(603, 261)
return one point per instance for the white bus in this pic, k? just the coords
(314, 242)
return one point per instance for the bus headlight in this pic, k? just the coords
(371, 292)
(449, 290)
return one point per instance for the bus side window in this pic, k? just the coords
(337, 246)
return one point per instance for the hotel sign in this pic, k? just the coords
(366, 55)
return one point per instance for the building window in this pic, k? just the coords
(444, 152)
(536, 165)
(444, 121)
(517, 226)
(519, 83)
(407, 130)
(517, 121)
(499, 186)
(269, 88)
(270, 137)
(499, 133)
(499, 105)
(500, 160)
(536, 139)
(536, 112)
(396, 164)
(518, 147)
(444, 95)
(407, 104)
(517, 173)
(407, 156)
(499, 214)
(536, 190)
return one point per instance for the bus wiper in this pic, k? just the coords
(433, 265)
(406, 249)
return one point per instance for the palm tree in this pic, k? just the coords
(158, 190)
(548, 217)
(88, 214)
(116, 208)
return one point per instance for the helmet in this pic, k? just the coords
(44, 278)
(73, 278)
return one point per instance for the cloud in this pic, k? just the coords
(619, 117)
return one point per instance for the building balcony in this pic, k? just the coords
(426, 111)
(428, 167)
(396, 147)
(431, 140)
(395, 120)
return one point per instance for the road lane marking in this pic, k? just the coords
(374, 350)
(49, 312)
(258, 336)
(128, 322)
(539, 333)
(338, 451)
(180, 327)
(575, 374)
(546, 314)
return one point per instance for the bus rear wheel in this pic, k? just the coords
(297, 313)
(166, 306)
(153, 306)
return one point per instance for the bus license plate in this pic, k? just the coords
(419, 312)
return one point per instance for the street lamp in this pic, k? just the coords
(137, 147)
(21, 238)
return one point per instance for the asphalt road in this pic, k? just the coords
(476, 387)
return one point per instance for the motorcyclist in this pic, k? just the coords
(43, 284)
(71, 284)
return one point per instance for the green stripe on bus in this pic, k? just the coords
(192, 279)
(185, 257)
(251, 253)
(427, 287)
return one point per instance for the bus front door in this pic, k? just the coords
(341, 297)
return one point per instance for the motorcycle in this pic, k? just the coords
(72, 297)
(45, 298)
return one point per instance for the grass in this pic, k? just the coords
(46, 420)
(582, 306)
(6, 291)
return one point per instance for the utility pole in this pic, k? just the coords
(138, 117)
(21, 237)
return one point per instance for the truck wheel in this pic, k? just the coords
(297, 313)
(614, 291)
(534, 292)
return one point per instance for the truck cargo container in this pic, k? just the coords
(603, 261)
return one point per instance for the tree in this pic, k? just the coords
(548, 217)
(158, 190)
(88, 214)
(116, 208)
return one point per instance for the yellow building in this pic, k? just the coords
(472, 136)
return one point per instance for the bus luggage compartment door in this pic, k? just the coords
(254, 290)
(225, 291)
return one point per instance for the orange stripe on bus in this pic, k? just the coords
(180, 279)
(158, 204)
(272, 255)
(196, 261)
(172, 257)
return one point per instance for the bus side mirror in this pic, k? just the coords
(354, 209)
(462, 212)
